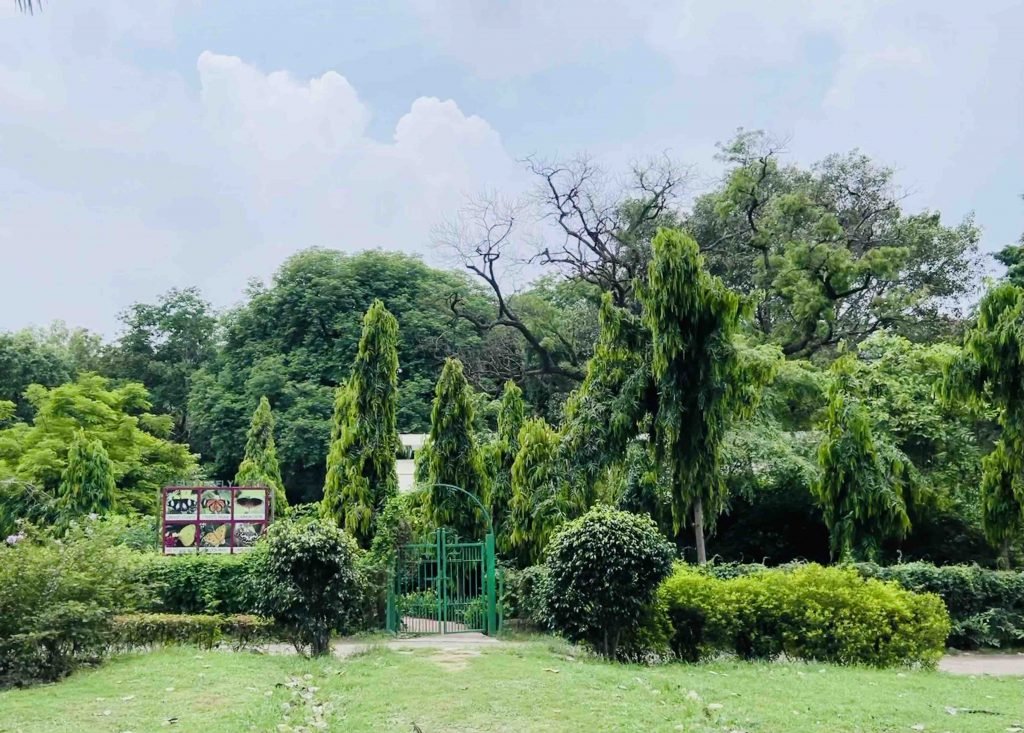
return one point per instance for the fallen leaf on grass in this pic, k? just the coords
(548, 669)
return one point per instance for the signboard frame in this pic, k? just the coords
(213, 519)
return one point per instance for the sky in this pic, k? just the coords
(171, 143)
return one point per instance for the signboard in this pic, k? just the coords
(214, 519)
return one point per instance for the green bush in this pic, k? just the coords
(191, 584)
(986, 606)
(605, 568)
(57, 599)
(805, 612)
(307, 580)
(525, 596)
(144, 630)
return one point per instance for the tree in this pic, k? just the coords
(453, 457)
(162, 345)
(702, 382)
(864, 485)
(502, 454)
(990, 371)
(259, 467)
(87, 483)
(361, 471)
(539, 503)
(25, 359)
(830, 249)
(295, 339)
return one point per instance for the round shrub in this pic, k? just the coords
(604, 569)
(309, 583)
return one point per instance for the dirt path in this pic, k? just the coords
(1008, 665)
(470, 641)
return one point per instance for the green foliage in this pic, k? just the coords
(526, 594)
(863, 486)
(137, 631)
(361, 473)
(703, 384)
(57, 599)
(605, 568)
(298, 335)
(990, 371)
(200, 584)
(162, 345)
(540, 501)
(87, 483)
(986, 607)
(453, 456)
(309, 582)
(142, 459)
(259, 467)
(831, 250)
(501, 454)
(808, 612)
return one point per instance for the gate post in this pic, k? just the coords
(492, 610)
(441, 583)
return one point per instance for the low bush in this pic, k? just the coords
(58, 599)
(986, 606)
(525, 596)
(199, 584)
(306, 578)
(145, 630)
(604, 570)
(804, 612)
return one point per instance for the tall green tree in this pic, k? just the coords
(702, 382)
(453, 456)
(502, 454)
(863, 486)
(361, 471)
(259, 467)
(539, 502)
(990, 371)
(87, 484)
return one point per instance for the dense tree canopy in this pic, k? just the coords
(259, 466)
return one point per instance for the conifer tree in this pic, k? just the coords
(502, 455)
(87, 483)
(701, 381)
(361, 469)
(453, 456)
(259, 467)
(539, 503)
(864, 484)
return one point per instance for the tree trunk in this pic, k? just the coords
(698, 531)
(1004, 555)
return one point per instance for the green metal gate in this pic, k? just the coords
(444, 586)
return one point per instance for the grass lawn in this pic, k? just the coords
(532, 686)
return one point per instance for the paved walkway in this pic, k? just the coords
(466, 641)
(972, 663)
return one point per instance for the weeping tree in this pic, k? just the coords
(990, 372)
(864, 484)
(87, 483)
(502, 454)
(703, 382)
(539, 502)
(361, 472)
(453, 457)
(259, 466)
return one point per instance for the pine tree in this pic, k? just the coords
(539, 502)
(259, 467)
(702, 382)
(502, 454)
(453, 456)
(87, 483)
(361, 469)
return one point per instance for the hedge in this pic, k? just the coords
(199, 584)
(808, 612)
(145, 630)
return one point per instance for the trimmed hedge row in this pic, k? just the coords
(986, 607)
(144, 630)
(824, 614)
(199, 584)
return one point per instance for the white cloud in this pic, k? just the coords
(121, 182)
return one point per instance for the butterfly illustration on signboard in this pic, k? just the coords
(216, 537)
(184, 537)
(215, 504)
(181, 504)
